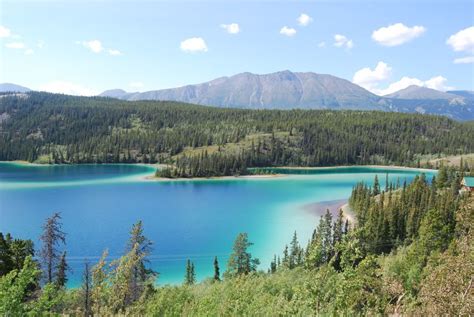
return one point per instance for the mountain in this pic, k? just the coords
(468, 94)
(114, 93)
(7, 87)
(456, 104)
(417, 92)
(281, 90)
(289, 90)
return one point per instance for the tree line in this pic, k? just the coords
(52, 128)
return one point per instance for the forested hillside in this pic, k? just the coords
(409, 252)
(205, 141)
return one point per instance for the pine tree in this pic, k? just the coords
(294, 252)
(141, 274)
(442, 177)
(190, 276)
(273, 265)
(376, 189)
(241, 261)
(61, 275)
(99, 284)
(52, 236)
(217, 276)
(86, 290)
(338, 229)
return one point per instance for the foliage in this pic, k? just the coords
(198, 141)
(241, 261)
(15, 288)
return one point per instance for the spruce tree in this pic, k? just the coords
(61, 275)
(86, 290)
(217, 274)
(141, 274)
(190, 276)
(295, 252)
(241, 261)
(52, 236)
(376, 188)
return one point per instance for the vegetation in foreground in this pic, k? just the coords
(198, 141)
(410, 252)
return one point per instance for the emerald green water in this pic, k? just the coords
(196, 219)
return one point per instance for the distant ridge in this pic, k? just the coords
(8, 87)
(280, 90)
(290, 90)
(302, 90)
(417, 92)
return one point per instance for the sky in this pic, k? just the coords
(85, 47)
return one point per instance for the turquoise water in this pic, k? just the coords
(196, 219)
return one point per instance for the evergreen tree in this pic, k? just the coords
(190, 276)
(52, 236)
(141, 274)
(376, 189)
(273, 265)
(241, 261)
(86, 290)
(217, 275)
(295, 253)
(61, 276)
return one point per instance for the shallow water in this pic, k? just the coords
(196, 219)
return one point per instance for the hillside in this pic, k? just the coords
(46, 128)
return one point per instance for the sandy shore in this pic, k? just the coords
(318, 209)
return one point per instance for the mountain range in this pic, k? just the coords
(289, 90)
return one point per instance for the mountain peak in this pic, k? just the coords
(279, 90)
(418, 92)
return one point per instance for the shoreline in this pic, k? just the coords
(152, 177)
(319, 209)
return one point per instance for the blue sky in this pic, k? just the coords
(85, 47)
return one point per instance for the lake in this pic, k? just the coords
(195, 219)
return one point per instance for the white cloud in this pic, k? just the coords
(4, 32)
(15, 45)
(136, 84)
(369, 79)
(29, 51)
(68, 88)
(322, 44)
(397, 34)
(232, 28)
(193, 45)
(40, 44)
(437, 82)
(114, 52)
(304, 19)
(464, 60)
(462, 40)
(94, 46)
(287, 31)
(342, 41)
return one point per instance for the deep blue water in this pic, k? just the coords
(196, 219)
